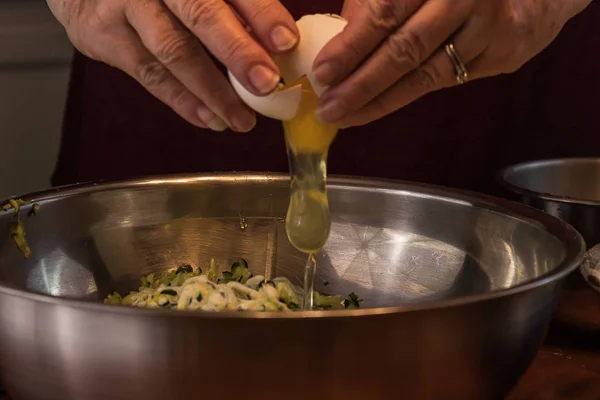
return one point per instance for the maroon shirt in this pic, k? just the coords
(455, 137)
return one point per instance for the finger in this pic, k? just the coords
(213, 22)
(495, 60)
(133, 58)
(371, 23)
(402, 52)
(437, 73)
(183, 55)
(271, 23)
(350, 7)
(241, 20)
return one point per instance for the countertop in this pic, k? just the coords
(567, 367)
(561, 374)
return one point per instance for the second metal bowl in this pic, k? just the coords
(568, 189)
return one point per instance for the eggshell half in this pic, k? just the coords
(281, 104)
(315, 31)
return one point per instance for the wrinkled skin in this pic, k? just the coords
(165, 45)
(392, 51)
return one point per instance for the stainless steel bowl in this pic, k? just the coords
(568, 189)
(458, 292)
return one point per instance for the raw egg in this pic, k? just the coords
(307, 139)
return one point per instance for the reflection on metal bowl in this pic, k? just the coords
(568, 189)
(458, 292)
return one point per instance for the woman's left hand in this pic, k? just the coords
(394, 51)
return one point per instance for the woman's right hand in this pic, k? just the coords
(163, 44)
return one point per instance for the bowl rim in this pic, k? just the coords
(502, 174)
(564, 232)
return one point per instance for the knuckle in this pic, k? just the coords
(226, 102)
(230, 108)
(221, 98)
(100, 19)
(427, 77)
(364, 92)
(173, 48)
(406, 49)
(386, 14)
(523, 29)
(351, 46)
(64, 11)
(72, 10)
(225, 96)
(379, 107)
(519, 19)
(152, 74)
(91, 30)
(260, 10)
(178, 97)
(513, 66)
(200, 13)
(236, 52)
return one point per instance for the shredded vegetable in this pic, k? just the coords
(16, 228)
(186, 288)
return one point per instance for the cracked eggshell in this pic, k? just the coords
(280, 104)
(315, 31)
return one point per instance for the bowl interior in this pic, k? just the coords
(577, 179)
(392, 244)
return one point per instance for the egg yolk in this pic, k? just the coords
(308, 222)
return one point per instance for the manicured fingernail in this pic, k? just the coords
(242, 122)
(263, 79)
(332, 110)
(283, 38)
(211, 119)
(327, 72)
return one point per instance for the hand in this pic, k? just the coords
(349, 7)
(163, 45)
(393, 51)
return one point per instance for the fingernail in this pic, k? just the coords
(331, 111)
(327, 72)
(218, 125)
(283, 38)
(242, 122)
(211, 119)
(263, 79)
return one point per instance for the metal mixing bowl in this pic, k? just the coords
(458, 292)
(569, 189)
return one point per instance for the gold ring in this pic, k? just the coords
(459, 67)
